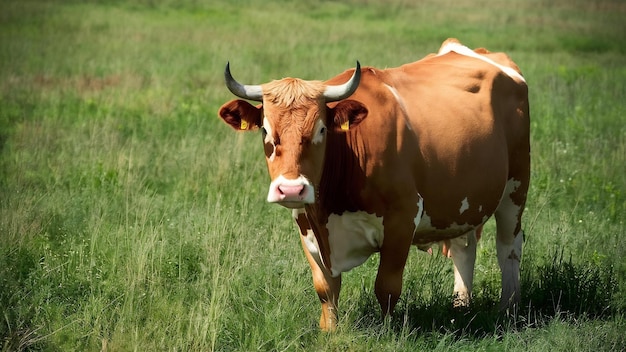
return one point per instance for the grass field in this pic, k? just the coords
(131, 218)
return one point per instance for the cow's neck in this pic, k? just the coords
(343, 176)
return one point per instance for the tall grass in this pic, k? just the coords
(132, 219)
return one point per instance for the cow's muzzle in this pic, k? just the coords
(291, 193)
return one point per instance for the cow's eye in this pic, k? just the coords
(322, 130)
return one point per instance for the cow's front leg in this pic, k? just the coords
(393, 255)
(327, 288)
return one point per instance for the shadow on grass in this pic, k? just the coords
(559, 289)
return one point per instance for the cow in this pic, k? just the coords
(376, 160)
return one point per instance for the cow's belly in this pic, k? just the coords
(353, 237)
(426, 233)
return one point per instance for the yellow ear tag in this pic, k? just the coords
(346, 125)
(244, 125)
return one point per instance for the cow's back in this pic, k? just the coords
(470, 121)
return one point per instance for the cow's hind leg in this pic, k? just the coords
(509, 240)
(463, 253)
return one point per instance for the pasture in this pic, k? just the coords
(132, 218)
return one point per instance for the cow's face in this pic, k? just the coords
(295, 123)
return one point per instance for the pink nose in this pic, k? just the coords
(291, 192)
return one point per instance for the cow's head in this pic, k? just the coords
(295, 123)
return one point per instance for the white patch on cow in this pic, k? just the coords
(269, 137)
(511, 186)
(310, 241)
(480, 208)
(424, 223)
(462, 250)
(463, 253)
(275, 196)
(353, 237)
(426, 226)
(319, 132)
(297, 212)
(420, 211)
(509, 258)
(463, 50)
(401, 103)
(464, 206)
(508, 243)
(507, 211)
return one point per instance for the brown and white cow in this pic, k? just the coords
(377, 160)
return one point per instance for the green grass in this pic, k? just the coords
(131, 218)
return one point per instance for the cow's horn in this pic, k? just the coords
(335, 93)
(241, 90)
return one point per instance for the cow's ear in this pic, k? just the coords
(347, 114)
(241, 115)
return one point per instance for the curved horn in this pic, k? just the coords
(243, 91)
(335, 93)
